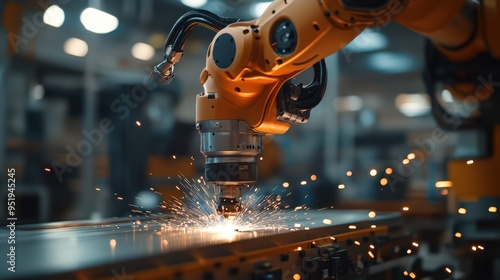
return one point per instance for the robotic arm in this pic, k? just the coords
(247, 89)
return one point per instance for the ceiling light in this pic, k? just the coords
(53, 16)
(143, 51)
(350, 103)
(194, 3)
(76, 47)
(413, 105)
(259, 8)
(391, 62)
(368, 41)
(98, 21)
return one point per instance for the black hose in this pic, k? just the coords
(312, 94)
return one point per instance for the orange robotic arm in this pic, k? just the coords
(249, 63)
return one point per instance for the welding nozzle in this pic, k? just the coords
(163, 73)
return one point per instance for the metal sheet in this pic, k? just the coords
(51, 249)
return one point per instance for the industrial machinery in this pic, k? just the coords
(249, 66)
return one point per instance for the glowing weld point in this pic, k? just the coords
(470, 161)
(448, 270)
(138, 123)
(341, 187)
(352, 227)
(47, 169)
(462, 211)
(327, 221)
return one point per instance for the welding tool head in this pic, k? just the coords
(230, 148)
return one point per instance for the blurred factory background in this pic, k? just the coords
(90, 134)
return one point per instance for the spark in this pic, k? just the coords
(296, 276)
(373, 226)
(462, 211)
(174, 157)
(313, 177)
(411, 156)
(373, 172)
(412, 275)
(408, 251)
(458, 234)
(138, 123)
(352, 227)
(112, 243)
(261, 158)
(286, 185)
(372, 247)
(405, 273)
(372, 214)
(348, 173)
(492, 209)
(357, 243)
(371, 254)
(406, 161)
(470, 161)
(341, 187)
(406, 208)
(97, 189)
(448, 270)
(47, 169)
(303, 183)
(383, 181)
(444, 184)
(474, 248)
(299, 248)
(480, 247)
(388, 171)
(119, 198)
(444, 192)
(327, 221)
(415, 244)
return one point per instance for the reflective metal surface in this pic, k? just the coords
(55, 249)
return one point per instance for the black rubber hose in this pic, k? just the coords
(312, 94)
(188, 27)
(188, 18)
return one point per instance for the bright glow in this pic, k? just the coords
(368, 41)
(194, 3)
(143, 51)
(327, 221)
(492, 209)
(480, 247)
(447, 96)
(458, 234)
(351, 103)
(373, 226)
(444, 184)
(303, 183)
(348, 173)
(470, 161)
(391, 62)
(408, 251)
(259, 8)
(405, 273)
(373, 172)
(415, 244)
(462, 211)
(76, 47)
(54, 16)
(313, 177)
(341, 186)
(412, 275)
(286, 185)
(406, 208)
(411, 156)
(112, 243)
(383, 181)
(371, 254)
(98, 21)
(413, 105)
(357, 243)
(474, 248)
(138, 123)
(388, 171)
(352, 227)
(406, 161)
(296, 276)
(372, 214)
(296, 225)
(448, 270)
